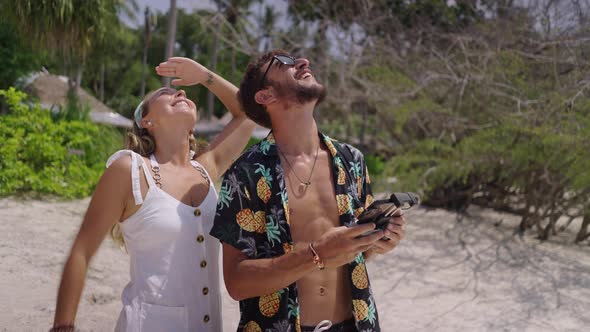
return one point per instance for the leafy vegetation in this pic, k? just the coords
(50, 155)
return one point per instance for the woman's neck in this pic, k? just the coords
(173, 149)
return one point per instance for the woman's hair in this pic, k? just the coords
(139, 140)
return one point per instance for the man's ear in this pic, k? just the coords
(265, 97)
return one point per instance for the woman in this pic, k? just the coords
(160, 195)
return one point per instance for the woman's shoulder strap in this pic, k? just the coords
(136, 163)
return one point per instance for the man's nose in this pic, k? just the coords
(301, 63)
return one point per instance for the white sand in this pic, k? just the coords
(446, 276)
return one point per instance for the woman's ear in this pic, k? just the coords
(146, 123)
(265, 97)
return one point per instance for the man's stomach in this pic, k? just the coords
(325, 294)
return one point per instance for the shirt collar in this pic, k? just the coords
(269, 145)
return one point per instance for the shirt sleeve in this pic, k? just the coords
(237, 222)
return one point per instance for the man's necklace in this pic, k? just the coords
(308, 182)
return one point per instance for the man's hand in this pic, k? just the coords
(394, 232)
(187, 71)
(340, 245)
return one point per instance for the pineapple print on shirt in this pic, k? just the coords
(364, 311)
(251, 222)
(252, 326)
(341, 175)
(360, 279)
(252, 216)
(269, 304)
(263, 184)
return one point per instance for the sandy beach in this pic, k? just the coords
(450, 274)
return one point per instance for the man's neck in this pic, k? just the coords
(295, 130)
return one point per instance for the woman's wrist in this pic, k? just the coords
(210, 78)
(69, 327)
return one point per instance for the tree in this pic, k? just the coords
(230, 12)
(16, 57)
(469, 102)
(148, 27)
(171, 37)
(67, 29)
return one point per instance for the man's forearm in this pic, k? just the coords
(258, 277)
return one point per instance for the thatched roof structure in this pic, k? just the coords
(52, 91)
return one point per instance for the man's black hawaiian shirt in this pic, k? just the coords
(252, 216)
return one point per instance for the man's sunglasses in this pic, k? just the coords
(284, 59)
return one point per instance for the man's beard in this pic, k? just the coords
(300, 94)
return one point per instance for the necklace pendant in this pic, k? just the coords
(303, 186)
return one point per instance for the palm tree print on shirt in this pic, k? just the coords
(253, 216)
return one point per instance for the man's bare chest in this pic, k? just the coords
(313, 212)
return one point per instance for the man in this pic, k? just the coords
(292, 252)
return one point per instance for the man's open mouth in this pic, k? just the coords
(304, 74)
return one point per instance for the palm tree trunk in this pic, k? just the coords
(67, 70)
(213, 65)
(102, 72)
(363, 110)
(170, 37)
(79, 71)
(583, 233)
(146, 41)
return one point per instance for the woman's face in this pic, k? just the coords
(169, 108)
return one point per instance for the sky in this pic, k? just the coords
(280, 7)
(163, 5)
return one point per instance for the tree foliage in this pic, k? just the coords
(50, 155)
(17, 58)
(469, 104)
(67, 29)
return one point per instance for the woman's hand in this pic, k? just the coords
(227, 145)
(187, 71)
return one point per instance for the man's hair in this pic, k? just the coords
(251, 84)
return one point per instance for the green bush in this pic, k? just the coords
(50, 155)
(538, 171)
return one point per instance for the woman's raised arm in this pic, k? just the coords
(227, 146)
